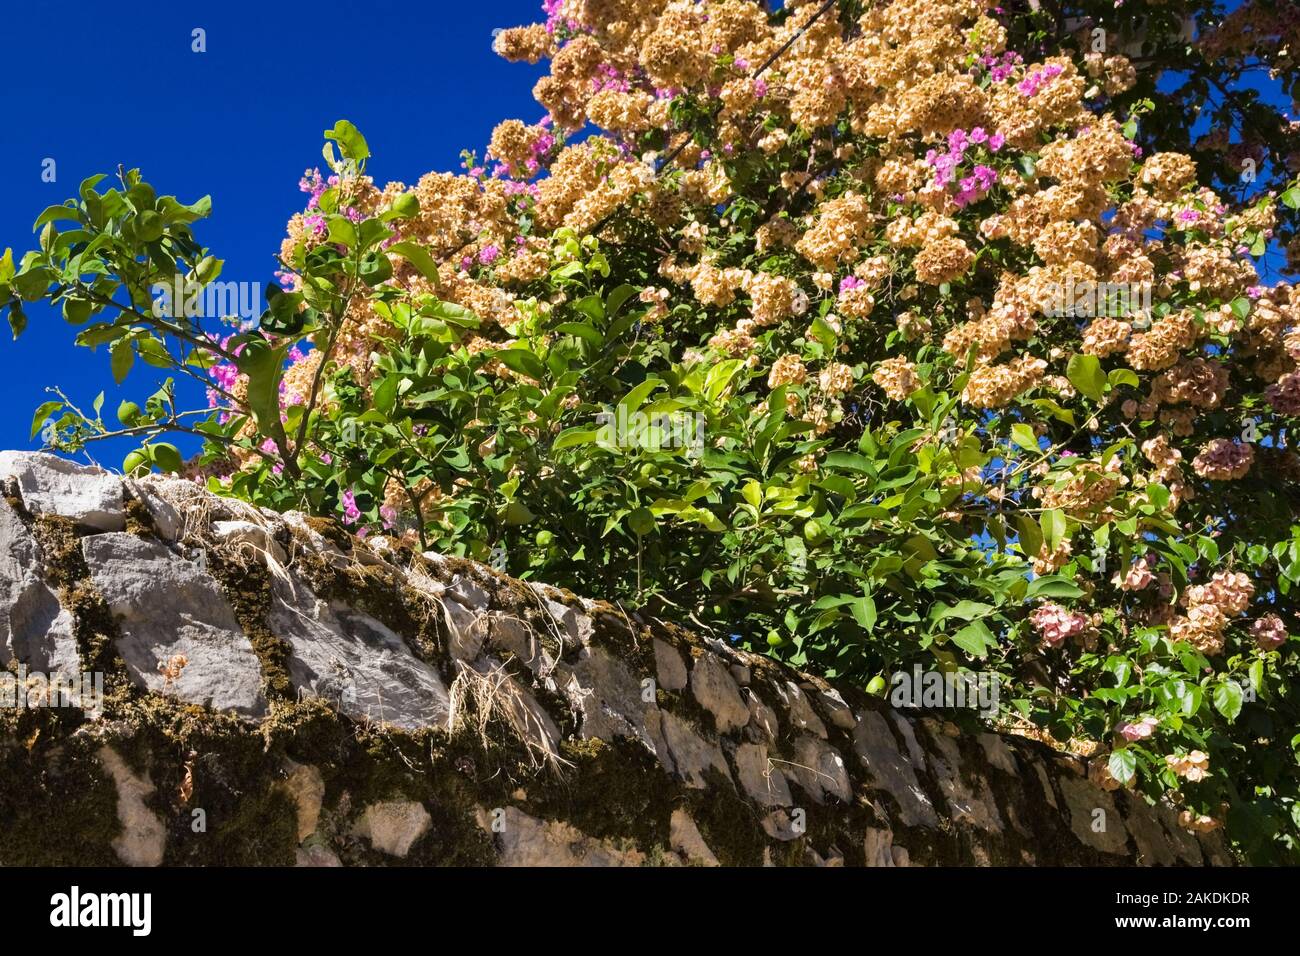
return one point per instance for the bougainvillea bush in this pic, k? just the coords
(801, 326)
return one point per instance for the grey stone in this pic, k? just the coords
(306, 787)
(800, 710)
(508, 633)
(762, 779)
(833, 705)
(975, 806)
(1082, 799)
(877, 846)
(167, 521)
(143, 837)
(873, 742)
(572, 623)
(914, 751)
(51, 485)
(669, 667)
(762, 717)
(355, 662)
(250, 536)
(998, 753)
(1045, 781)
(393, 826)
(469, 592)
(683, 751)
(167, 610)
(607, 695)
(685, 837)
(35, 629)
(524, 840)
(529, 720)
(819, 769)
(779, 825)
(315, 856)
(1153, 845)
(717, 693)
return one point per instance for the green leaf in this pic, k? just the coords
(55, 213)
(1024, 436)
(847, 461)
(962, 610)
(583, 331)
(1292, 197)
(1123, 376)
(42, 413)
(975, 639)
(636, 397)
(1227, 699)
(419, 257)
(385, 394)
(1123, 764)
(719, 377)
(574, 436)
(1031, 535)
(405, 206)
(863, 610)
(342, 231)
(1085, 374)
(264, 367)
(1055, 526)
(1053, 586)
(121, 356)
(17, 319)
(351, 143)
(167, 457)
(523, 362)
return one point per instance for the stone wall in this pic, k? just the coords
(276, 692)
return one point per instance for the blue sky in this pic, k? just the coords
(241, 122)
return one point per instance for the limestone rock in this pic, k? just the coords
(143, 838)
(968, 803)
(685, 837)
(393, 826)
(355, 662)
(819, 770)
(248, 535)
(35, 629)
(669, 667)
(1094, 817)
(717, 692)
(167, 520)
(801, 712)
(873, 742)
(684, 751)
(528, 841)
(306, 788)
(173, 617)
(761, 778)
(50, 485)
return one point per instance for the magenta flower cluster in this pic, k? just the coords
(1001, 67)
(946, 164)
(1039, 78)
